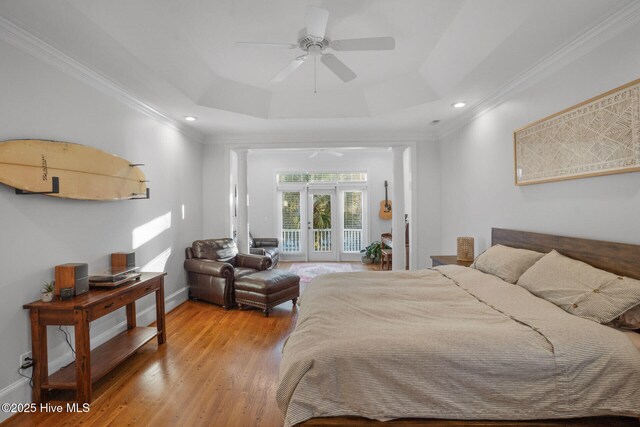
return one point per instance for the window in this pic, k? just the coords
(319, 177)
(352, 221)
(291, 221)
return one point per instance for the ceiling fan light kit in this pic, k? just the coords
(315, 43)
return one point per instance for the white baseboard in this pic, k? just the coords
(20, 392)
(17, 392)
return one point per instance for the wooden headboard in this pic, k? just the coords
(618, 258)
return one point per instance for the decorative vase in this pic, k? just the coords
(46, 296)
(465, 249)
(367, 260)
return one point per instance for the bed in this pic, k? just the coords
(453, 343)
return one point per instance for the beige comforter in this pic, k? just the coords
(449, 343)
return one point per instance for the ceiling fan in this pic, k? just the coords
(313, 43)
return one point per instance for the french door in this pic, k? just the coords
(321, 225)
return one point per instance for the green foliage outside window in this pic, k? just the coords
(321, 211)
(291, 211)
(353, 210)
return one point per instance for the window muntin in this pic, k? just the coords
(321, 177)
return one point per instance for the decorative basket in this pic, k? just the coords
(465, 249)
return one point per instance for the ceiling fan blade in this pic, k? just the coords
(330, 152)
(266, 44)
(316, 20)
(370, 43)
(339, 69)
(290, 68)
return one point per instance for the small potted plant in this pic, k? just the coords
(372, 253)
(47, 291)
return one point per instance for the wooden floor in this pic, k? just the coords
(218, 368)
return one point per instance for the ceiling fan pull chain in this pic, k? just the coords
(315, 74)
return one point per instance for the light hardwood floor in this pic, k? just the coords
(218, 368)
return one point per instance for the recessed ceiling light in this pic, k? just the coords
(458, 104)
(190, 119)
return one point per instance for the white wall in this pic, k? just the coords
(477, 162)
(263, 165)
(39, 232)
(215, 192)
(428, 213)
(408, 184)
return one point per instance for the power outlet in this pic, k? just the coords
(23, 358)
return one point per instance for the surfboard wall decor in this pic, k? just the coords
(81, 172)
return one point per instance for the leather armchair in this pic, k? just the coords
(267, 246)
(212, 266)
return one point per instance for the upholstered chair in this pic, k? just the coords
(212, 266)
(267, 246)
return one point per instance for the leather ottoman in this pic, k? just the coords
(266, 289)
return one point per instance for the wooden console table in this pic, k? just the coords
(91, 365)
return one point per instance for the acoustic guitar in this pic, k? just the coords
(385, 205)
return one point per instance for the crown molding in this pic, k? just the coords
(27, 42)
(592, 37)
(316, 145)
(295, 139)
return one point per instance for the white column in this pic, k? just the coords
(243, 198)
(397, 198)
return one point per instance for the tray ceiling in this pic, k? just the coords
(180, 55)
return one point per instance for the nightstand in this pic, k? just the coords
(448, 259)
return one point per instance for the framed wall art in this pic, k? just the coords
(600, 136)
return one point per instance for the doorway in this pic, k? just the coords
(322, 215)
